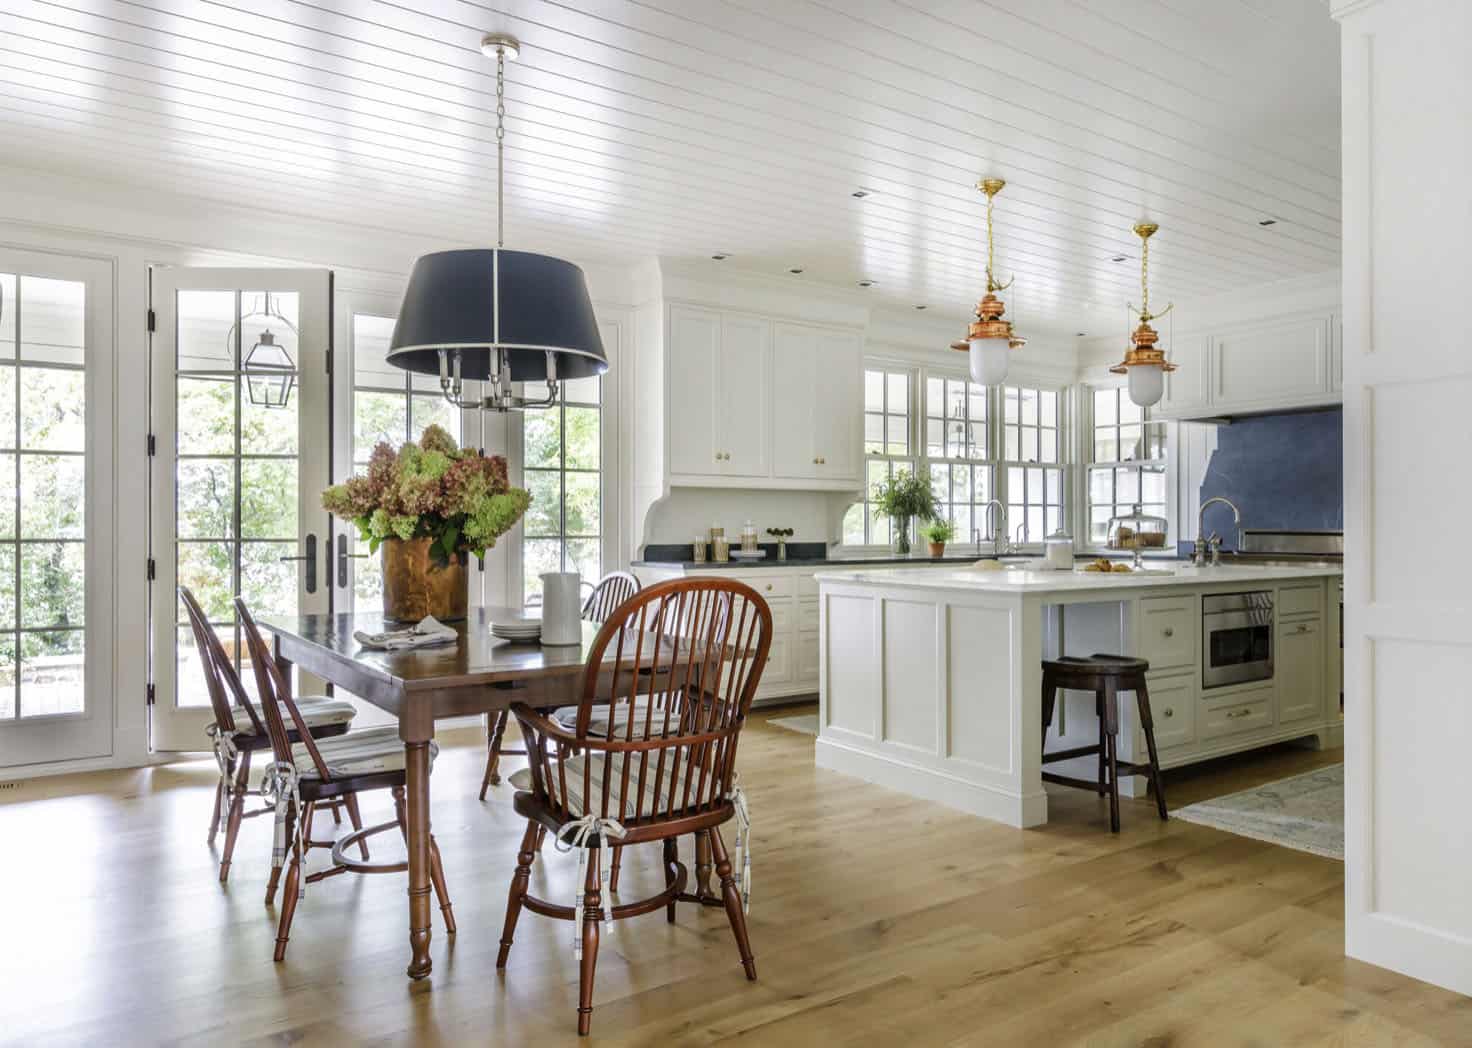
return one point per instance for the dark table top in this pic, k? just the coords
(476, 659)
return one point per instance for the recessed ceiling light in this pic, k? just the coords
(720, 258)
(1080, 334)
(1268, 222)
(919, 307)
(795, 269)
(866, 283)
(860, 194)
(1119, 258)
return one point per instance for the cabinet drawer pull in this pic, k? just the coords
(1239, 713)
(1169, 631)
(1301, 628)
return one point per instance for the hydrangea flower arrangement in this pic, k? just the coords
(456, 497)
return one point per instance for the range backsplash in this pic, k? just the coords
(1285, 472)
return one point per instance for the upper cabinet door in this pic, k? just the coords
(1286, 362)
(743, 380)
(694, 354)
(838, 395)
(796, 402)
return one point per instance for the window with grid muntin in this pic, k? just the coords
(888, 447)
(562, 468)
(1127, 466)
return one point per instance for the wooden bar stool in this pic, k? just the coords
(1106, 676)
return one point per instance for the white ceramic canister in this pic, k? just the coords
(562, 608)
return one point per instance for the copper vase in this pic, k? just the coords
(415, 586)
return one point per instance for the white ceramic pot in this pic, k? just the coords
(562, 607)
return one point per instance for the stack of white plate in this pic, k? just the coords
(518, 631)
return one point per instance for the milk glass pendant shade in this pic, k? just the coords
(989, 360)
(1146, 384)
(496, 316)
(990, 339)
(1144, 362)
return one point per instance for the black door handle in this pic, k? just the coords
(310, 556)
(343, 557)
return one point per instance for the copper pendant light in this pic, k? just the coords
(990, 338)
(1144, 362)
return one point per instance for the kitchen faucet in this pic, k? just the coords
(1000, 545)
(1198, 556)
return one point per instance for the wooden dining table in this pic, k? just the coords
(478, 674)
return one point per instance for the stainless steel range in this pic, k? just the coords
(1236, 638)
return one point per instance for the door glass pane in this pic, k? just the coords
(236, 471)
(52, 668)
(378, 418)
(43, 416)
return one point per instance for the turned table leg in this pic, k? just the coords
(416, 767)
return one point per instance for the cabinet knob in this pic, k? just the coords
(815, 460)
(1169, 631)
(769, 587)
(1169, 712)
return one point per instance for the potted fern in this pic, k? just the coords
(938, 532)
(902, 498)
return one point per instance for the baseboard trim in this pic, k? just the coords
(974, 798)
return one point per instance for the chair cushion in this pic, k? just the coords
(365, 752)
(318, 711)
(596, 764)
(600, 717)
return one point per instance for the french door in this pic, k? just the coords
(56, 498)
(240, 457)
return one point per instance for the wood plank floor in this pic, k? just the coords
(876, 920)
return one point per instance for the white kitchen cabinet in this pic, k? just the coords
(1298, 670)
(1284, 363)
(816, 407)
(694, 350)
(720, 373)
(753, 400)
(1290, 362)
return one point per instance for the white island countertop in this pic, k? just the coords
(1018, 580)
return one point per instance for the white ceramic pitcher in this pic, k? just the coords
(562, 608)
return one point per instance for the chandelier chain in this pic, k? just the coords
(500, 146)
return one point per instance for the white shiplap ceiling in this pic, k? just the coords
(683, 128)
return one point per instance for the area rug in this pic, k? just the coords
(1305, 812)
(807, 723)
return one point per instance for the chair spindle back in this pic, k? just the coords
(221, 681)
(612, 590)
(684, 659)
(275, 694)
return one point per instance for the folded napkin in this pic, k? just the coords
(428, 632)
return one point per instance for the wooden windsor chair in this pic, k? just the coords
(238, 731)
(310, 773)
(612, 590)
(665, 767)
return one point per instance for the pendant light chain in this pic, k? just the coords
(990, 280)
(1145, 279)
(500, 146)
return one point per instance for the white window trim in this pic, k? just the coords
(1083, 448)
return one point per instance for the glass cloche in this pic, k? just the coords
(1137, 531)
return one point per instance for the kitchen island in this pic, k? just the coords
(930, 679)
